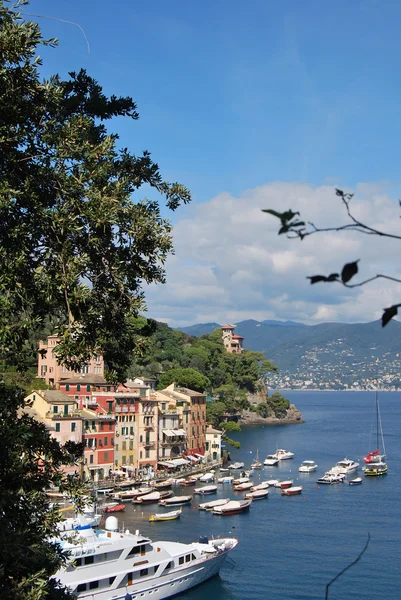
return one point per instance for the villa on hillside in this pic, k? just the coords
(232, 342)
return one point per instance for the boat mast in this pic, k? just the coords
(379, 426)
(377, 421)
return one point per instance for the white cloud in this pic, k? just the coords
(230, 264)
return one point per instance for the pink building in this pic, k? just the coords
(52, 372)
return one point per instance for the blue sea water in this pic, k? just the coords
(291, 547)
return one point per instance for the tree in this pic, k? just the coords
(293, 227)
(188, 378)
(75, 249)
(73, 242)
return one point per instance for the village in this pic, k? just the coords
(127, 430)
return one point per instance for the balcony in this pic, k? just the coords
(170, 444)
(148, 428)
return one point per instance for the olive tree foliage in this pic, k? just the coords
(292, 225)
(75, 242)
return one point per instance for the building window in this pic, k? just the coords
(101, 426)
(57, 426)
(78, 387)
(65, 409)
(131, 431)
(91, 459)
(124, 459)
(147, 453)
(55, 409)
(124, 447)
(88, 387)
(106, 441)
(106, 456)
(73, 425)
(93, 424)
(67, 387)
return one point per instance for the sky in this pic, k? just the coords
(255, 105)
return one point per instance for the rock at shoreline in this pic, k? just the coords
(251, 418)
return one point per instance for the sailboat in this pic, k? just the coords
(375, 460)
(256, 463)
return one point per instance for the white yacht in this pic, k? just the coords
(307, 466)
(270, 461)
(109, 565)
(283, 454)
(347, 466)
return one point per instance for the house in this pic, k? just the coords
(90, 391)
(98, 438)
(61, 416)
(213, 443)
(232, 342)
(172, 436)
(52, 372)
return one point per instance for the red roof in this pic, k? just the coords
(238, 337)
(228, 326)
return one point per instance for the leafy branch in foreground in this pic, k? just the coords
(294, 228)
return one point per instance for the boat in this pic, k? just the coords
(283, 454)
(237, 465)
(257, 494)
(233, 507)
(169, 516)
(356, 481)
(111, 507)
(152, 497)
(163, 485)
(292, 491)
(242, 487)
(271, 461)
(331, 478)
(256, 463)
(261, 486)
(240, 480)
(189, 481)
(175, 500)
(213, 503)
(132, 493)
(307, 466)
(80, 520)
(111, 564)
(347, 466)
(284, 484)
(207, 477)
(375, 461)
(272, 482)
(206, 489)
(226, 479)
(376, 469)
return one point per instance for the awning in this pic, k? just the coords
(199, 456)
(180, 432)
(193, 458)
(166, 464)
(169, 432)
(178, 462)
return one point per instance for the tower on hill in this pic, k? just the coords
(232, 342)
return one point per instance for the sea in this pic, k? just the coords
(291, 548)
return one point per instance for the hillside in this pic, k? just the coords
(328, 355)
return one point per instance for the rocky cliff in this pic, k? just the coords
(292, 416)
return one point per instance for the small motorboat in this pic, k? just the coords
(175, 500)
(152, 497)
(261, 486)
(292, 491)
(240, 480)
(257, 494)
(226, 479)
(111, 507)
(213, 503)
(356, 481)
(283, 454)
(273, 482)
(189, 481)
(243, 487)
(163, 485)
(331, 478)
(307, 466)
(271, 461)
(170, 516)
(237, 465)
(284, 484)
(233, 507)
(206, 489)
(207, 477)
(346, 466)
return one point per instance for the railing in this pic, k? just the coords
(166, 444)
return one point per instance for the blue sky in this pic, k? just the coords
(238, 98)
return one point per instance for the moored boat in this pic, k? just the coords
(175, 500)
(376, 469)
(163, 485)
(256, 463)
(271, 461)
(110, 564)
(375, 462)
(206, 489)
(240, 480)
(307, 466)
(242, 487)
(233, 507)
(237, 465)
(257, 494)
(261, 486)
(207, 477)
(284, 484)
(210, 505)
(292, 491)
(169, 516)
(112, 507)
(283, 454)
(331, 478)
(226, 479)
(356, 481)
(152, 497)
(346, 466)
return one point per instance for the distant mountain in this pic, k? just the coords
(330, 351)
(199, 329)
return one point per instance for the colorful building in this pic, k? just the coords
(52, 372)
(213, 443)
